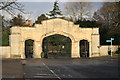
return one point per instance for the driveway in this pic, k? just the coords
(62, 68)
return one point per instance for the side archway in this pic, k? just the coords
(84, 48)
(29, 48)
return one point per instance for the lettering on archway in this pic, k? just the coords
(49, 28)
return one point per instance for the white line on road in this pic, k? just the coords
(52, 71)
(43, 74)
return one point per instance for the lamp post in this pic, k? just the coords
(111, 47)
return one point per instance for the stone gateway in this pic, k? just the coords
(19, 35)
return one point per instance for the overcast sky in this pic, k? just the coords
(37, 8)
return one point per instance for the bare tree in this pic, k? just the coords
(109, 17)
(109, 14)
(11, 7)
(78, 10)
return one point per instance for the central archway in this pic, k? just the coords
(56, 46)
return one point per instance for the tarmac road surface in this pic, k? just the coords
(61, 68)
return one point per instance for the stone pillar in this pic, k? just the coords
(15, 46)
(95, 45)
(75, 49)
(22, 49)
(37, 49)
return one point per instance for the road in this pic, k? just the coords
(70, 68)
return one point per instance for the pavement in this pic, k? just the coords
(12, 68)
(99, 67)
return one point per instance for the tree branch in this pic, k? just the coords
(3, 7)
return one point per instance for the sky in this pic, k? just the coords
(68, 0)
(35, 9)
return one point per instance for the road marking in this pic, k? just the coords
(43, 74)
(38, 76)
(52, 71)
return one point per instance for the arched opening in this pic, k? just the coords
(84, 48)
(29, 45)
(56, 46)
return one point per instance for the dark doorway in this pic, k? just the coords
(29, 44)
(56, 46)
(84, 48)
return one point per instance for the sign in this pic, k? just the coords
(111, 44)
(108, 40)
(112, 38)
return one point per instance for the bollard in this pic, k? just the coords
(23, 64)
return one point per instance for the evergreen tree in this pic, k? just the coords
(56, 10)
(41, 18)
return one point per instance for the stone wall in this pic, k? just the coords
(114, 48)
(105, 48)
(5, 51)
